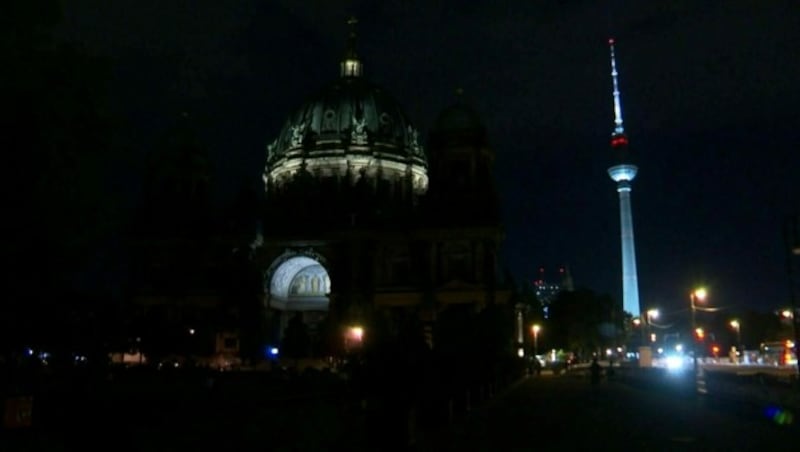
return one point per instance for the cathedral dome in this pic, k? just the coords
(350, 127)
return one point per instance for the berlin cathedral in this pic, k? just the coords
(361, 227)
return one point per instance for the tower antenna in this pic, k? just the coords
(618, 138)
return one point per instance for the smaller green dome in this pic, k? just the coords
(458, 124)
(458, 117)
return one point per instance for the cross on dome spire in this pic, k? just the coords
(351, 66)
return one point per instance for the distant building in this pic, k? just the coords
(359, 227)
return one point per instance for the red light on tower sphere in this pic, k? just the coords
(619, 140)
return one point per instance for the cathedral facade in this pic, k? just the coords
(361, 227)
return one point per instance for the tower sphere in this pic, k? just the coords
(623, 173)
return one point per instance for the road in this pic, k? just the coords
(745, 369)
(248, 412)
(569, 413)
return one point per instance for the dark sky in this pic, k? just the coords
(709, 94)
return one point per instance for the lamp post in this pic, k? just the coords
(353, 338)
(791, 235)
(636, 322)
(698, 295)
(536, 328)
(738, 328)
(651, 314)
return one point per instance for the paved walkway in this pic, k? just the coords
(568, 413)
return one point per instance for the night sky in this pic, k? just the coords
(709, 96)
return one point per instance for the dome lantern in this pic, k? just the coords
(351, 66)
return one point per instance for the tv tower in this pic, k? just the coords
(623, 173)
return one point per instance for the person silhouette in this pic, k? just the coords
(537, 366)
(594, 371)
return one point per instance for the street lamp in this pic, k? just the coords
(357, 333)
(536, 328)
(698, 295)
(651, 314)
(354, 337)
(738, 327)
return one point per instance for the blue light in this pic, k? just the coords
(779, 416)
(271, 351)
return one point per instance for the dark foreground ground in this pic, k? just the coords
(195, 410)
(538, 413)
(569, 413)
(179, 411)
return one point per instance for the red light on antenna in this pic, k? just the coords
(611, 41)
(619, 140)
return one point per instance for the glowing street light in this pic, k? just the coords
(650, 315)
(353, 337)
(738, 327)
(700, 333)
(357, 333)
(536, 329)
(698, 295)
